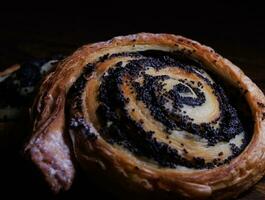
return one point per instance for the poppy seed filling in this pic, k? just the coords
(171, 87)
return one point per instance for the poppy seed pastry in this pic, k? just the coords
(156, 115)
(18, 87)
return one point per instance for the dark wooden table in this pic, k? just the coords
(238, 36)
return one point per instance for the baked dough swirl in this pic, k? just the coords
(149, 111)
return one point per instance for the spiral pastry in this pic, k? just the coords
(155, 114)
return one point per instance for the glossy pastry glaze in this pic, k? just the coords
(153, 111)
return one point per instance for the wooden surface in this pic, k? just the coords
(37, 34)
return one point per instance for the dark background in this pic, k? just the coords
(235, 30)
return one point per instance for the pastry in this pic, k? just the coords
(155, 115)
(18, 86)
(18, 83)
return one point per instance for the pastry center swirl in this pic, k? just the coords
(158, 106)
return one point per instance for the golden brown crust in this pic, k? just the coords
(9, 134)
(221, 182)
